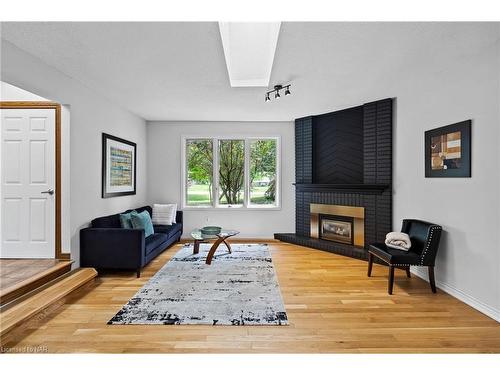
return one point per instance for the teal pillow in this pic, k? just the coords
(125, 220)
(142, 221)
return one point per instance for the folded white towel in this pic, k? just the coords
(398, 240)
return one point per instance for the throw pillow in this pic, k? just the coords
(142, 221)
(164, 214)
(125, 220)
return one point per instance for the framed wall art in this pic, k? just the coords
(118, 166)
(448, 151)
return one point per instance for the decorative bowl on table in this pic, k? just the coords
(210, 231)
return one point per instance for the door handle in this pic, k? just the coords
(50, 192)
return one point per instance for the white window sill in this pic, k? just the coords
(189, 208)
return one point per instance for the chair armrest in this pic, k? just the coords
(112, 248)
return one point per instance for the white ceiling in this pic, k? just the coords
(177, 71)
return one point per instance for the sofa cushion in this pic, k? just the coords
(111, 221)
(393, 256)
(155, 240)
(169, 230)
(142, 209)
(125, 220)
(164, 214)
(142, 221)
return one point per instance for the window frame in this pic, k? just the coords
(215, 176)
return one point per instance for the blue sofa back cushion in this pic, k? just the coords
(142, 221)
(113, 221)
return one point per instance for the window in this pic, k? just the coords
(231, 159)
(199, 181)
(263, 172)
(231, 172)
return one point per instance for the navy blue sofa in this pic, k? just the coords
(107, 245)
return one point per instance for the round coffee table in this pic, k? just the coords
(219, 238)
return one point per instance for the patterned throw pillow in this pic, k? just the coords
(142, 221)
(164, 214)
(125, 220)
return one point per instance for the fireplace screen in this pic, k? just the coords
(344, 224)
(336, 228)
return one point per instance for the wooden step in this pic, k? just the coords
(23, 287)
(21, 312)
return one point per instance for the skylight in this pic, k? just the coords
(249, 51)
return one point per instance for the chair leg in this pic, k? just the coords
(408, 274)
(370, 264)
(432, 280)
(138, 272)
(391, 280)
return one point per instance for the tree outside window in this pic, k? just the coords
(242, 167)
(263, 172)
(231, 172)
(199, 157)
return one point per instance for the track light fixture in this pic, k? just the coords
(276, 91)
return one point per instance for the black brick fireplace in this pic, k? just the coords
(343, 159)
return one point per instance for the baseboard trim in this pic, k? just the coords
(458, 294)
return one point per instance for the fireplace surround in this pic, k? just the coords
(344, 159)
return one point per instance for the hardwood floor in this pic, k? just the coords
(14, 271)
(21, 276)
(332, 307)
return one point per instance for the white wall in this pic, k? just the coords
(91, 114)
(12, 93)
(164, 183)
(468, 262)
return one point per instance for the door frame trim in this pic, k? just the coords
(57, 107)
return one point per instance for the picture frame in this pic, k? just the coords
(119, 171)
(448, 150)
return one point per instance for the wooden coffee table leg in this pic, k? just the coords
(227, 245)
(196, 248)
(213, 249)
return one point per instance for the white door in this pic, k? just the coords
(28, 183)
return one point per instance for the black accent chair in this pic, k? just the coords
(424, 238)
(107, 245)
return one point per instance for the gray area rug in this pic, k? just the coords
(236, 289)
